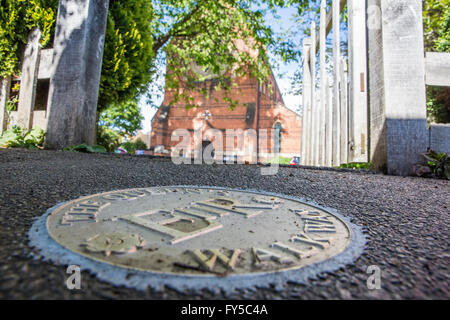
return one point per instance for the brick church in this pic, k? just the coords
(258, 108)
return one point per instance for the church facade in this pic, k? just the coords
(261, 123)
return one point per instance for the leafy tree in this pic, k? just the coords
(17, 19)
(129, 58)
(108, 138)
(125, 118)
(210, 33)
(437, 38)
(204, 31)
(434, 13)
(443, 40)
(222, 37)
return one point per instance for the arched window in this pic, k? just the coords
(277, 142)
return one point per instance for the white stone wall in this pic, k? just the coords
(378, 147)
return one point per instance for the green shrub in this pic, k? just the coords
(108, 138)
(439, 163)
(18, 137)
(280, 160)
(360, 166)
(86, 149)
(131, 147)
(140, 145)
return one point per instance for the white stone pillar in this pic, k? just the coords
(323, 82)
(329, 123)
(322, 128)
(77, 61)
(315, 138)
(378, 151)
(344, 113)
(358, 109)
(5, 87)
(404, 84)
(317, 123)
(313, 157)
(306, 94)
(336, 119)
(330, 106)
(28, 80)
(336, 92)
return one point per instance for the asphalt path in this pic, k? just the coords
(406, 221)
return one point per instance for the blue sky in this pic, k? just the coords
(283, 73)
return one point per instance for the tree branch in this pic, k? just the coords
(162, 40)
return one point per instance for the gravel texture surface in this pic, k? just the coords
(406, 220)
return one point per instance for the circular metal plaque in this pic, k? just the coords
(198, 231)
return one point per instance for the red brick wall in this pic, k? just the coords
(271, 111)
